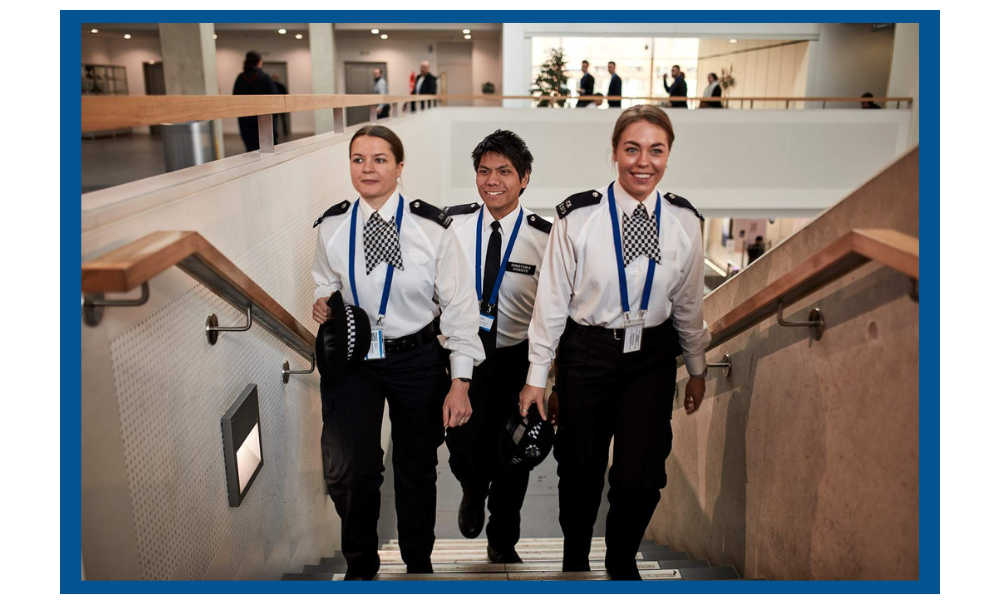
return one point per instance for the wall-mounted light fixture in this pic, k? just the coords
(241, 442)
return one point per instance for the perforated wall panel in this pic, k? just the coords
(173, 387)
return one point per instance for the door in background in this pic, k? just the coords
(454, 63)
(359, 80)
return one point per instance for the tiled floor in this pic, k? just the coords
(107, 162)
(539, 514)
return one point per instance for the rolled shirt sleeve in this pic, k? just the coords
(548, 319)
(687, 299)
(326, 281)
(454, 287)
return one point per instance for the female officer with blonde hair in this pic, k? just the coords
(620, 296)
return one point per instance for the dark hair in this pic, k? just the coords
(384, 133)
(509, 145)
(643, 112)
(677, 66)
(599, 94)
(251, 61)
(713, 76)
(867, 95)
(611, 62)
(586, 62)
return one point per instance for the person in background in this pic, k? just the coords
(618, 344)
(586, 85)
(397, 260)
(678, 88)
(499, 226)
(714, 90)
(598, 102)
(868, 104)
(380, 88)
(756, 249)
(283, 117)
(426, 84)
(253, 82)
(615, 87)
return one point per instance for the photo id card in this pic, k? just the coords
(377, 349)
(486, 322)
(633, 337)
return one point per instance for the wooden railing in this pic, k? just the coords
(891, 248)
(134, 264)
(112, 112)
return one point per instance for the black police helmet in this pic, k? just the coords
(343, 340)
(528, 439)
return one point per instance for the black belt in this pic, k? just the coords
(412, 341)
(657, 332)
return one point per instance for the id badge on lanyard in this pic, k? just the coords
(486, 320)
(377, 349)
(633, 329)
(633, 334)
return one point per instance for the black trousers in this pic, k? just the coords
(415, 383)
(475, 447)
(603, 394)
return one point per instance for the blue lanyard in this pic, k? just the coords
(503, 265)
(622, 284)
(353, 252)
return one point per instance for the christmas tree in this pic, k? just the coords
(552, 80)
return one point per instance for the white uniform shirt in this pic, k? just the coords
(516, 299)
(434, 280)
(579, 280)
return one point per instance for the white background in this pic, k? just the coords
(30, 250)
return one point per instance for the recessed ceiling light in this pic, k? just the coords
(466, 31)
(282, 31)
(128, 36)
(384, 36)
(732, 41)
(468, 37)
(375, 31)
(298, 36)
(93, 31)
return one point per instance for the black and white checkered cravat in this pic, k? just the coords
(381, 244)
(639, 232)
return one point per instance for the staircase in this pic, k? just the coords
(465, 560)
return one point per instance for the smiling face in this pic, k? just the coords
(499, 184)
(641, 155)
(374, 169)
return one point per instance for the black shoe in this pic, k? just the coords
(502, 556)
(575, 566)
(419, 568)
(471, 516)
(623, 570)
(364, 574)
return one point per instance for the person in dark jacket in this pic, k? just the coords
(615, 87)
(714, 90)
(678, 88)
(586, 85)
(868, 103)
(426, 84)
(253, 82)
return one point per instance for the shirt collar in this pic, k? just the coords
(627, 203)
(388, 210)
(506, 223)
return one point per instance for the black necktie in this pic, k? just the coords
(489, 280)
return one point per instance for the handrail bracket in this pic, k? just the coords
(286, 370)
(727, 364)
(816, 322)
(212, 328)
(94, 304)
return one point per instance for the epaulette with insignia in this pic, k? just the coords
(333, 211)
(429, 211)
(577, 201)
(683, 203)
(539, 223)
(462, 209)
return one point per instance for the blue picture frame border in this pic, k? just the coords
(930, 303)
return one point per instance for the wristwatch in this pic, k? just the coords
(465, 379)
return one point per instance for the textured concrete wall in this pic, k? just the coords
(804, 463)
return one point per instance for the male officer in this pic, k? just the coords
(503, 243)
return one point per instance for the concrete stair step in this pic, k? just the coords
(662, 554)
(683, 564)
(709, 574)
(310, 576)
(649, 574)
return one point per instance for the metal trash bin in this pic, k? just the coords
(188, 144)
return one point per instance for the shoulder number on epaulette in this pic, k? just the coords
(333, 211)
(578, 201)
(461, 209)
(540, 224)
(683, 203)
(429, 211)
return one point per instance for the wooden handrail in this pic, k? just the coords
(113, 112)
(126, 268)
(891, 248)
